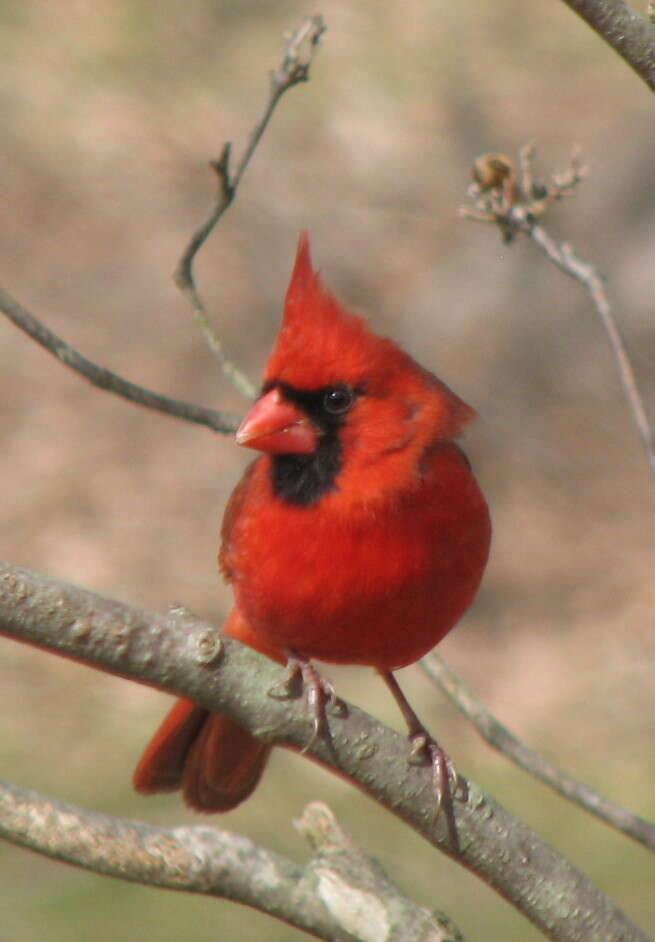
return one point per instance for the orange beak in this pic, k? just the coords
(278, 427)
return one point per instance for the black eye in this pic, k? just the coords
(338, 399)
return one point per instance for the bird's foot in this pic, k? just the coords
(425, 750)
(320, 695)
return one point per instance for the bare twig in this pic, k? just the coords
(568, 262)
(518, 209)
(105, 379)
(294, 68)
(502, 739)
(182, 655)
(337, 891)
(627, 33)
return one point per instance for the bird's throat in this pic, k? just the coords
(302, 480)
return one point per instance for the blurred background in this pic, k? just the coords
(111, 110)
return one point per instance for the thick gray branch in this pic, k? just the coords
(337, 894)
(368, 903)
(196, 859)
(627, 33)
(181, 654)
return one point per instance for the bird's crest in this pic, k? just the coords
(321, 343)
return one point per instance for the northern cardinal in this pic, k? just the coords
(359, 536)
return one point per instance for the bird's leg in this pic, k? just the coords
(291, 686)
(424, 748)
(319, 692)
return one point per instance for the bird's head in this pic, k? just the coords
(341, 408)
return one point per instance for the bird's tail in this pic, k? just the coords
(215, 762)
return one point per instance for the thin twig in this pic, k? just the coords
(518, 209)
(294, 68)
(567, 261)
(105, 379)
(187, 657)
(627, 33)
(502, 739)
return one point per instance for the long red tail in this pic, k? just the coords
(215, 762)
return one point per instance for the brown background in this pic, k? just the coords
(110, 113)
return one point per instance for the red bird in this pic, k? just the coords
(359, 536)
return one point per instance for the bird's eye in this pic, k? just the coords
(338, 400)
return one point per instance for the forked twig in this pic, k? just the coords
(512, 201)
(218, 863)
(293, 69)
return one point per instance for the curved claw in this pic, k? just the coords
(424, 750)
(320, 696)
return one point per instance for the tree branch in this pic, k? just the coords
(629, 34)
(183, 655)
(330, 897)
(376, 909)
(502, 739)
(105, 379)
(294, 68)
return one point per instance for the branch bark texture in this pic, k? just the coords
(339, 895)
(629, 34)
(183, 655)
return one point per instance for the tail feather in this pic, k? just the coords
(223, 766)
(161, 767)
(215, 762)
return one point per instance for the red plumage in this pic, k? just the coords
(358, 537)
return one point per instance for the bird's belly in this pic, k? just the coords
(385, 633)
(382, 597)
